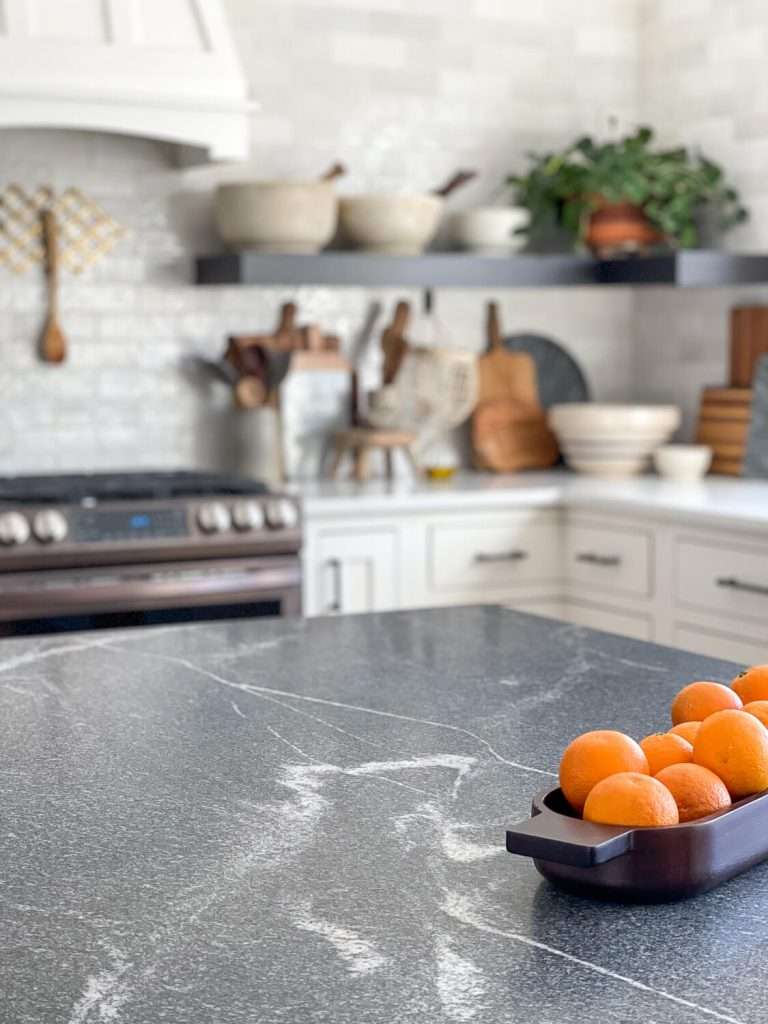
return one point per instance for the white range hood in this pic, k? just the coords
(162, 69)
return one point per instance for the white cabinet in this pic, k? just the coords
(610, 620)
(603, 556)
(660, 579)
(507, 551)
(348, 571)
(716, 644)
(722, 576)
(429, 559)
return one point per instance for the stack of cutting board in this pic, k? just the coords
(724, 417)
(726, 412)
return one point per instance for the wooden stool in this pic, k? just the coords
(360, 441)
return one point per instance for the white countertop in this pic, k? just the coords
(714, 501)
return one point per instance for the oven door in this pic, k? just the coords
(140, 595)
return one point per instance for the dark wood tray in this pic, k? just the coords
(644, 864)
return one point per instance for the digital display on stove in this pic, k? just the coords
(96, 524)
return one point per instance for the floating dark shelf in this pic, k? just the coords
(685, 269)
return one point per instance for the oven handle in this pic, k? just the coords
(149, 588)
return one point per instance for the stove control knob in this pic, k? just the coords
(282, 514)
(248, 515)
(14, 529)
(49, 526)
(213, 517)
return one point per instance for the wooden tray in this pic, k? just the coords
(642, 864)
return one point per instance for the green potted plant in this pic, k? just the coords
(625, 195)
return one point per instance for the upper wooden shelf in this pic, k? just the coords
(694, 268)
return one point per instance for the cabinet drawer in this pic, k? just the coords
(730, 580)
(719, 645)
(612, 559)
(493, 554)
(610, 621)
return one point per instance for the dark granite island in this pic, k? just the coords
(304, 822)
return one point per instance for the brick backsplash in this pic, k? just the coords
(404, 93)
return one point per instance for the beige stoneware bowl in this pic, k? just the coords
(611, 440)
(395, 225)
(277, 216)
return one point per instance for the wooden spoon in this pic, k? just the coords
(54, 342)
(334, 171)
(455, 181)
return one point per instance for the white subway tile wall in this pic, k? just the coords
(404, 93)
(702, 82)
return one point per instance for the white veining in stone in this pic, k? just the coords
(460, 983)
(357, 954)
(460, 909)
(103, 993)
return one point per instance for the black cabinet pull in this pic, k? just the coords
(591, 558)
(501, 556)
(337, 601)
(735, 584)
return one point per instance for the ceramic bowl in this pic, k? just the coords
(395, 225)
(277, 216)
(683, 462)
(490, 230)
(611, 440)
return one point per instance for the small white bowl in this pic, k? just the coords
(490, 230)
(682, 462)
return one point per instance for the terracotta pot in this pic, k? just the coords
(620, 227)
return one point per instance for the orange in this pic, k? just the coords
(594, 756)
(663, 748)
(698, 701)
(687, 730)
(630, 798)
(752, 684)
(758, 708)
(734, 745)
(697, 791)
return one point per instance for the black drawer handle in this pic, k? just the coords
(591, 558)
(502, 556)
(734, 584)
(337, 602)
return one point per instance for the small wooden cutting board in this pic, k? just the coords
(504, 375)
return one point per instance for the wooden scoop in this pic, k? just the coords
(54, 344)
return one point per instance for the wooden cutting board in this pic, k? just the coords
(503, 375)
(508, 436)
(749, 341)
(509, 427)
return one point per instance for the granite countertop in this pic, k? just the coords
(284, 821)
(715, 501)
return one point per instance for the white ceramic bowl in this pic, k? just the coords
(277, 216)
(683, 462)
(490, 230)
(611, 440)
(396, 225)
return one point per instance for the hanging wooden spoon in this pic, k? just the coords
(54, 343)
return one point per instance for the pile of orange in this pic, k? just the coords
(716, 752)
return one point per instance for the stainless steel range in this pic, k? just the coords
(103, 550)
